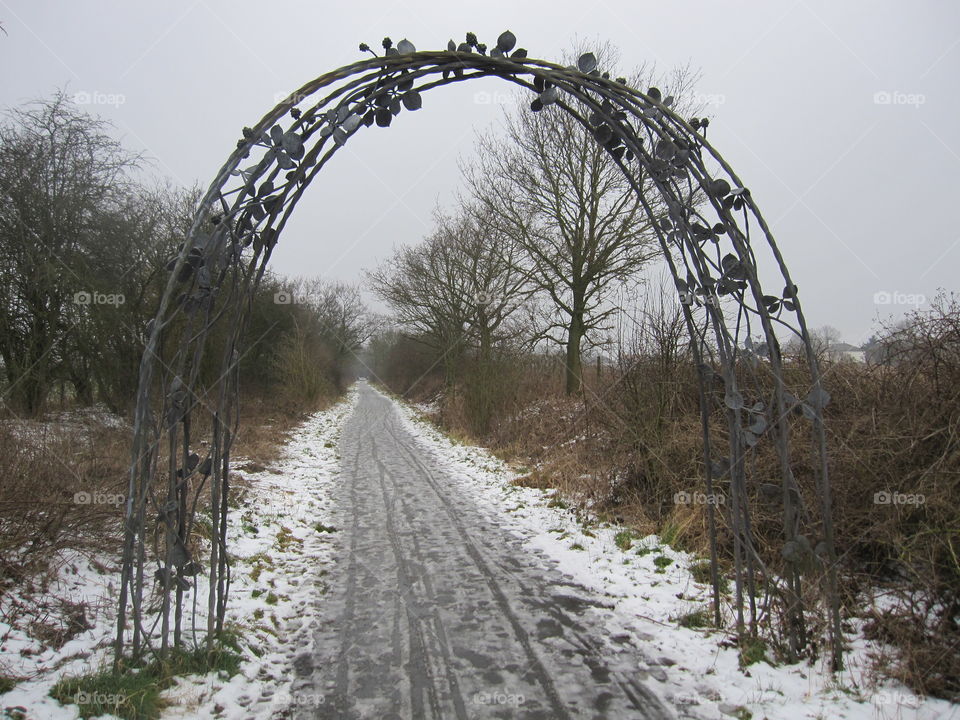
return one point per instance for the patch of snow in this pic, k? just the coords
(65, 426)
(76, 579)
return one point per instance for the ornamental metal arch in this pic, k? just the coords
(709, 238)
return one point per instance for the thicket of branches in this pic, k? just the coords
(84, 249)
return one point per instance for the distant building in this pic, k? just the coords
(846, 351)
(836, 351)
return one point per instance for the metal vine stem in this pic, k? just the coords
(187, 403)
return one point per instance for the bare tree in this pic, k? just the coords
(429, 297)
(342, 318)
(559, 194)
(126, 260)
(826, 340)
(491, 263)
(60, 173)
(460, 288)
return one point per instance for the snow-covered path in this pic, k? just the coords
(434, 612)
(381, 569)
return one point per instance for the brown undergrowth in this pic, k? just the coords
(62, 483)
(632, 441)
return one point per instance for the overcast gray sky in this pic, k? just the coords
(840, 116)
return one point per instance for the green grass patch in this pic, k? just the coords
(701, 574)
(624, 540)
(557, 502)
(698, 618)
(286, 538)
(133, 693)
(6, 684)
(662, 562)
(673, 534)
(752, 651)
(646, 550)
(270, 599)
(576, 546)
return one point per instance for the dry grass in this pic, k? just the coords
(46, 466)
(47, 471)
(266, 423)
(633, 440)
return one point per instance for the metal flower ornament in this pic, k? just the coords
(712, 237)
